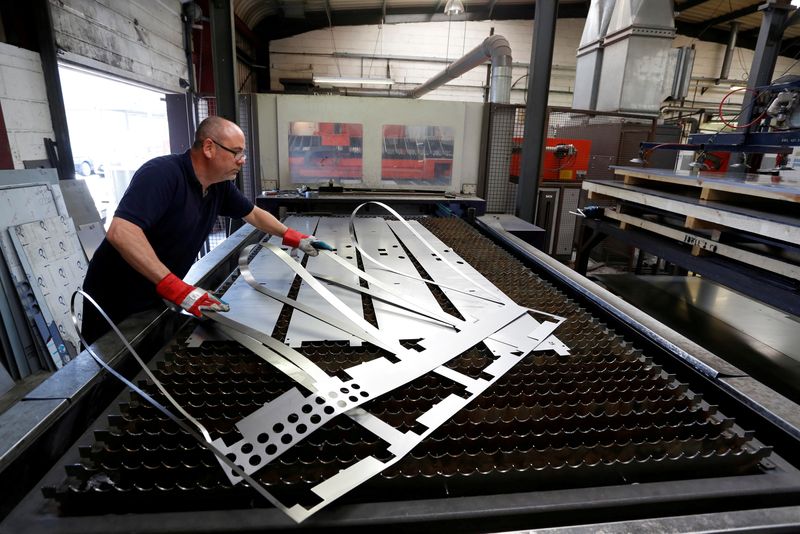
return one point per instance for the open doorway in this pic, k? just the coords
(114, 127)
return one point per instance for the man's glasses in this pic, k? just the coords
(237, 154)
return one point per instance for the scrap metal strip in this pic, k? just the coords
(277, 425)
(303, 327)
(372, 294)
(366, 255)
(442, 259)
(203, 439)
(295, 365)
(414, 306)
(342, 308)
(401, 443)
(128, 346)
(345, 326)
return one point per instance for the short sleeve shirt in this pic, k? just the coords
(166, 201)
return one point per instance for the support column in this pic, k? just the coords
(223, 53)
(765, 56)
(544, 31)
(52, 82)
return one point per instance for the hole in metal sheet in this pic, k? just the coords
(341, 403)
(277, 427)
(286, 439)
(333, 394)
(459, 262)
(271, 449)
(247, 448)
(353, 398)
(355, 386)
(231, 456)
(401, 257)
(328, 410)
(319, 400)
(306, 408)
(301, 428)
(364, 394)
(315, 419)
(263, 437)
(344, 390)
(255, 459)
(293, 418)
(349, 257)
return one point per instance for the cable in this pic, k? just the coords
(752, 122)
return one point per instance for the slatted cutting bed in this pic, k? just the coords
(591, 427)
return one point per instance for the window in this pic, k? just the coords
(325, 152)
(418, 155)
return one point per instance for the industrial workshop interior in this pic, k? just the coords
(445, 266)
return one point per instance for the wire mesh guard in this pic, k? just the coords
(604, 415)
(597, 140)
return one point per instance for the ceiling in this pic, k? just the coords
(708, 20)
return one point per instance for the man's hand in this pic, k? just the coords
(192, 299)
(293, 238)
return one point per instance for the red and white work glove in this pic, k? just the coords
(293, 238)
(193, 299)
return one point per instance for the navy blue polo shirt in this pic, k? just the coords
(166, 201)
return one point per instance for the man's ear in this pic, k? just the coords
(208, 146)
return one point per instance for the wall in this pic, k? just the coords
(301, 55)
(24, 101)
(275, 112)
(140, 40)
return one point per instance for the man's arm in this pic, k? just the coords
(266, 222)
(133, 246)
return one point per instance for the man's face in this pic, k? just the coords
(228, 154)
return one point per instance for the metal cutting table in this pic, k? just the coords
(633, 422)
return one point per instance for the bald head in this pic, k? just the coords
(213, 128)
(218, 151)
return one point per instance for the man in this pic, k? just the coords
(162, 222)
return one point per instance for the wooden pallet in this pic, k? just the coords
(716, 186)
(698, 213)
(704, 245)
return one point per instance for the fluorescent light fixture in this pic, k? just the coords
(339, 80)
(454, 7)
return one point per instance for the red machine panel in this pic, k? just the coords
(564, 159)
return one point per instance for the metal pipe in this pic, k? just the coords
(726, 61)
(495, 47)
(393, 93)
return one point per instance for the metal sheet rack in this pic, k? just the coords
(614, 429)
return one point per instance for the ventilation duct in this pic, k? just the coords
(625, 61)
(590, 54)
(495, 47)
